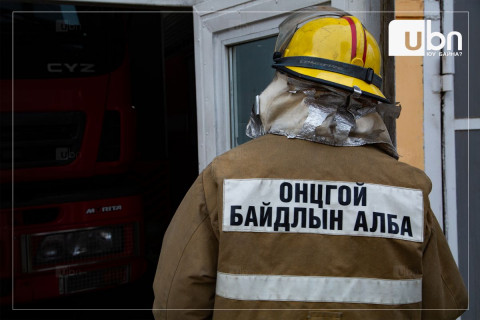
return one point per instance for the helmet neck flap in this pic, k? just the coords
(315, 112)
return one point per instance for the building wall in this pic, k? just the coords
(409, 92)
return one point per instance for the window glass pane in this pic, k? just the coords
(250, 73)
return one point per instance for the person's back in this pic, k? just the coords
(313, 219)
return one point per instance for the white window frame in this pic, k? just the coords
(218, 25)
(450, 171)
(432, 118)
(221, 24)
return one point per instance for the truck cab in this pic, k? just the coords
(71, 216)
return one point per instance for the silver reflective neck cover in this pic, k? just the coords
(304, 110)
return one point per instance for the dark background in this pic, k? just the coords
(160, 46)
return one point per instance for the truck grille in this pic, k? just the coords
(94, 279)
(41, 138)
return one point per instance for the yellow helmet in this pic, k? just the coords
(331, 47)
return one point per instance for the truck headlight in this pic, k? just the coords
(73, 245)
(90, 242)
(51, 249)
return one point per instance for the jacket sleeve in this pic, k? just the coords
(186, 272)
(444, 293)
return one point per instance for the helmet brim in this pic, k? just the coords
(336, 80)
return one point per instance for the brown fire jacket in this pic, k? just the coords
(284, 228)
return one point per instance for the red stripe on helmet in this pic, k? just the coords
(364, 46)
(353, 28)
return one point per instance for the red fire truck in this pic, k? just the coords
(71, 216)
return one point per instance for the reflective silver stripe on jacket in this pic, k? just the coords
(318, 289)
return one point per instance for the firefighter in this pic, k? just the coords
(315, 218)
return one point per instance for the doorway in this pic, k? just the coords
(160, 53)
